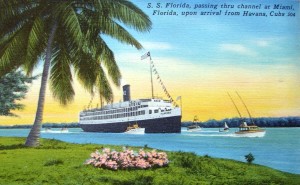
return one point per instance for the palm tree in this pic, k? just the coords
(66, 35)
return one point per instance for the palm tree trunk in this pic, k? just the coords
(34, 135)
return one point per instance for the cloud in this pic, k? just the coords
(157, 45)
(237, 48)
(265, 42)
(262, 43)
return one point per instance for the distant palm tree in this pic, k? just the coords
(66, 35)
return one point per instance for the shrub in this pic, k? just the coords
(54, 162)
(206, 156)
(128, 159)
(186, 159)
(249, 158)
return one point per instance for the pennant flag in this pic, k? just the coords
(145, 55)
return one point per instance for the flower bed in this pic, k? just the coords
(127, 159)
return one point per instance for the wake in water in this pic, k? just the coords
(56, 131)
(222, 135)
(211, 135)
(217, 133)
(210, 131)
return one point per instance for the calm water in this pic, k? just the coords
(279, 149)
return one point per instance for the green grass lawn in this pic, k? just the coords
(57, 162)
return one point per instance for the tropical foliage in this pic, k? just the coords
(13, 87)
(67, 36)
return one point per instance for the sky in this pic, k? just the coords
(201, 58)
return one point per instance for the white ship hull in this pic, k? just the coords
(136, 131)
(154, 115)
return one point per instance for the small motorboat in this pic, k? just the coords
(64, 130)
(48, 130)
(245, 130)
(250, 131)
(194, 127)
(135, 129)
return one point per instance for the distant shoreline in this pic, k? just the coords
(231, 122)
(44, 125)
(291, 121)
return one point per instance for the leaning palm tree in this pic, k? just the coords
(65, 35)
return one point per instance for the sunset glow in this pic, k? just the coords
(201, 59)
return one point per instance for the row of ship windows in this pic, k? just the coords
(115, 111)
(123, 115)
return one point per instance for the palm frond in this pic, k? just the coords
(103, 86)
(86, 66)
(15, 16)
(115, 30)
(123, 11)
(61, 77)
(12, 52)
(131, 15)
(69, 20)
(107, 58)
(105, 25)
(36, 45)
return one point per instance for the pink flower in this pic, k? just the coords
(106, 150)
(89, 161)
(127, 159)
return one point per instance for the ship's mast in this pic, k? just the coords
(153, 69)
(235, 105)
(151, 75)
(245, 107)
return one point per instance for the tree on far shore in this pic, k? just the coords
(13, 88)
(65, 36)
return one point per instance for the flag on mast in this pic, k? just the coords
(145, 55)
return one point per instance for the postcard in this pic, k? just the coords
(170, 63)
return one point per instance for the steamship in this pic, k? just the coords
(153, 114)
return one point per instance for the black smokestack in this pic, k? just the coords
(126, 93)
